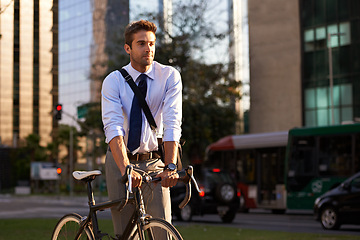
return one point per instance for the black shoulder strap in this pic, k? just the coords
(140, 97)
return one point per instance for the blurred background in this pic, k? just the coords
(248, 67)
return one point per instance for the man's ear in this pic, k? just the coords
(127, 48)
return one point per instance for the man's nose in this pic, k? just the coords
(148, 47)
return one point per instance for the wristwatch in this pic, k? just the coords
(170, 166)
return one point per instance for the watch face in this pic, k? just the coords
(171, 167)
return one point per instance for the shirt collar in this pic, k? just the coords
(135, 74)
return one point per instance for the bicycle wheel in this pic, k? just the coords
(68, 226)
(159, 229)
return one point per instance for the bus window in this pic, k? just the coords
(335, 155)
(245, 166)
(250, 168)
(302, 156)
(229, 162)
(271, 168)
(301, 163)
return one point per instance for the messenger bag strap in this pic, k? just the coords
(140, 97)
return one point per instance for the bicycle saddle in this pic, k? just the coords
(80, 175)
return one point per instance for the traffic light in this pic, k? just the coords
(58, 111)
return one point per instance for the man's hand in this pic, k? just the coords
(136, 179)
(168, 178)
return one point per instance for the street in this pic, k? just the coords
(263, 220)
(56, 207)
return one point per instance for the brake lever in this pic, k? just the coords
(130, 169)
(187, 180)
(191, 173)
(126, 178)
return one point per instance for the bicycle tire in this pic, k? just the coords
(154, 224)
(68, 226)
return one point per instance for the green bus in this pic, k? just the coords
(318, 159)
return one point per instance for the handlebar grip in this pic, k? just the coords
(124, 179)
(127, 176)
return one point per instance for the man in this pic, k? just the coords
(163, 90)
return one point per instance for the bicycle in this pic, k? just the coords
(140, 226)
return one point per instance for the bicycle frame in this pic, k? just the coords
(139, 213)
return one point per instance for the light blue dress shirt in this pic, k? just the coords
(164, 97)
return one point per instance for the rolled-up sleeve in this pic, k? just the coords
(172, 112)
(111, 107)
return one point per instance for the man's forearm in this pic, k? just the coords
(170, 148)
(118, 150)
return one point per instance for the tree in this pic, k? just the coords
(22, 157)
(92, 128)
(33, 149)
(63, 137)
(209, 90)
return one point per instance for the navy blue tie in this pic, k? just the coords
(136, 117)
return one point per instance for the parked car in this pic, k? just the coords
(218, 196)
(340, 205)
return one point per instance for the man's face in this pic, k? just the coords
(142, 50)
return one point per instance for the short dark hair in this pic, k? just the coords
(137, 26)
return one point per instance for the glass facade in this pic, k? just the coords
(26, 70)
(86, 29)
(75, 41)
(330, 25)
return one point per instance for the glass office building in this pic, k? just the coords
(86, 29)
(304, 63)
(28, 69)
(75, 39)
(330, 39)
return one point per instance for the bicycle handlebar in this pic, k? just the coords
(186, 176)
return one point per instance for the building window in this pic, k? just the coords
(319, 18)
(318, 105)
(317, 38)
(16, 67)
